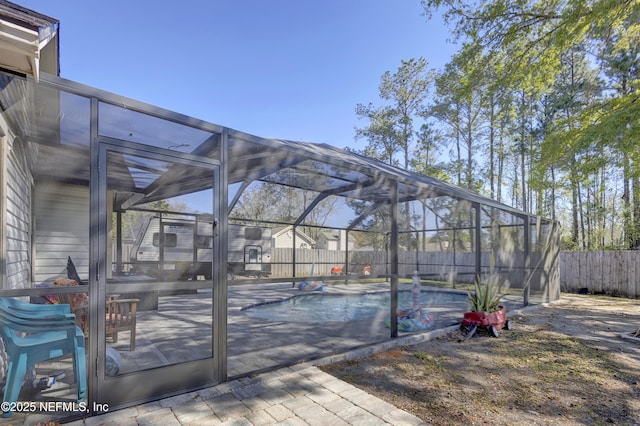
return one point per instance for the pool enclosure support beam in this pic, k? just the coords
(236, 198)
(478, 240)
(362, 217)
(96, 294)
(299, 220)
(219, 274)
(366, 213)
(293, 257)
(373, 207)
(194, 248)
(266, 171)
(161, 248)
(527, 261)
(119, 269)
(324, 194)
(346, 253)
(394, 258)
(321, 196)
(417, 269)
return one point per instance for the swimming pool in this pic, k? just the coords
(318, 307)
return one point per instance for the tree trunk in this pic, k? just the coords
(626, 196)
(581, 213)
(492, 149)
(469, 150)
(500, 164)
(553, 193)
(522, 146)
(574, 210)
(459, 155)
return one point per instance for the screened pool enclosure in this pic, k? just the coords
(189, 225)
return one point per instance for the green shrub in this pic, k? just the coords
(486, 297)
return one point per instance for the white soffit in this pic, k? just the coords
(20, 49)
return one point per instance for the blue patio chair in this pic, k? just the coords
(35, 309)
(36, 333)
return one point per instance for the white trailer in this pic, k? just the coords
(181, 248)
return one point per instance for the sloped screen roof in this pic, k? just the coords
(55, 115)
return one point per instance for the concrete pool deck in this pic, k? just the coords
(273, 363)
(256, 345)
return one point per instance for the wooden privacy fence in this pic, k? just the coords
(459, 267)
(606, 272)
(435, 264)
(322, 261)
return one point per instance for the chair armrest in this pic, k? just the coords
(34, 309)
(37, 324)
(132, 301)
(60, 308)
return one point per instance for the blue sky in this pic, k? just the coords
(280, 68)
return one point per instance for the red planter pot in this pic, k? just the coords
(496, 319)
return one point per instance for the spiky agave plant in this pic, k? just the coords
(485, 298)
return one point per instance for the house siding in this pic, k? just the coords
(284, 239)
(62, 230)
(18, 212)
(334, 241)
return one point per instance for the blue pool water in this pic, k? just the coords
(318, 307)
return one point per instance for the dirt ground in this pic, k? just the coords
(563, 364)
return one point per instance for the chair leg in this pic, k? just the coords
(132, 341)
(81, 376)
(15, 374)
(132, 344)
(80, 366)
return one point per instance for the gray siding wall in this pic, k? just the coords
(18, 230)
(62, 230)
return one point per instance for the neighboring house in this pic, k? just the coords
(335, 240)
(328, 240)
(283, 238)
